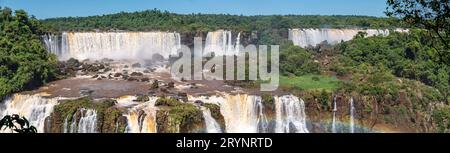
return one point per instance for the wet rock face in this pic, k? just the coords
(185, 122)
(137, 74)
(141, 98)
(121, 125)
(54, 123)
(216, 114)
(72, 67)
(136, 65)
(68, 68)
(109, 118)
(177, 117)
(117, 75)
(269, 105)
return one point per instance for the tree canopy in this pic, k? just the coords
(163, 20)
(24, 62)
(433, 15)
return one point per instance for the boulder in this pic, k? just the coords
(136, 65)
(141, 98)
(138, 74)
(171, 85)
(125, 77)
(86, 92)
(132, 79)
(117, 75)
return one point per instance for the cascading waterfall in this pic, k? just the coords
(313, 37)
(241, 112)
(220, 42)
(113, 45)
(290, 115)
(53, 43)
(33, 107)
(142, 118)
(245, 113)
(66, 126)
(87, 122)
(333, 125)
(352, 111)
(211, 124)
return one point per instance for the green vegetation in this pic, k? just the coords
(163, 20)
(142, 98)
(175, 116)
(442, 117)
(270, 29)
(296, 60)
(24, 62)
(107, 114)
(307, 82)
(216, 114)
(433, 15)
(167, 102)
(267, 98)
(410, 56)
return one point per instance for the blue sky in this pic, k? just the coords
(61, 8)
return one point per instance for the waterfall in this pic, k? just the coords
(73, 125)
(113, 45)
(33, 107)
(241, 112)
(290, 115)
(245, 113)
(352, 111)
(87, 122)
(221, 42)
(116, 127)
(65, 126)
(142, 118)
(401, 30)
(211, 124)
(313, 37)
(333, 125)
(53, 43)
(377, 32)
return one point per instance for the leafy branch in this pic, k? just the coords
(17, 124)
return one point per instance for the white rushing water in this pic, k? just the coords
(333, 125)
(113, 45)
(211, 124)
(87, 122)
(352, 114)
(33, 107)
(244, 113)
(240, 113)
(142, 118)
(313, 37)
(221, 42)
(290, 113)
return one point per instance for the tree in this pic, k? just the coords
(17, 124)
(433, 15)
(24, 62)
